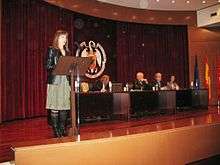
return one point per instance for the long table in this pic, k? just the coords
(99, 105)
(153, 101)
(188, 98)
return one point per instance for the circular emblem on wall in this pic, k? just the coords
(97, 53)
(79, 23)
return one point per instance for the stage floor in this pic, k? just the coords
(36, 131)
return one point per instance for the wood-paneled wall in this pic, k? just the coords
(205, 43)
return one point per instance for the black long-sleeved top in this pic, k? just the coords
(53, 56)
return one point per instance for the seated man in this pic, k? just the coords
(102, 84)
(172, 85)
(140, 83)
(158, 84)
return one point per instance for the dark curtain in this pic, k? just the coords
(151, 49)
(27, 30)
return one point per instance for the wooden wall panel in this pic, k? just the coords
(205, 43)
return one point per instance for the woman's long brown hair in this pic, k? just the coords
(56, 36)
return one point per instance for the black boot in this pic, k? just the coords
(62, 122)
(54, 122)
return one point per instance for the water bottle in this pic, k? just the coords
(76, 86)
(127, 88)
(191, 85)
(156, 87)
(110, 86)
(196, 85)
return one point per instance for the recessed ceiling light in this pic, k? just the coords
(95, 9)
(75, 6)
(173, 1)
(115, 13)
(188, 17)
(134, 17)
(151, 18)
(187, 1)
(203, 2)
(157, 0)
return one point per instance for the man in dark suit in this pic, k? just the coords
(140, 83)
(158, 84)
(102, 85)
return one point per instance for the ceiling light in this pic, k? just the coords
(187, 1)
(218, 0)
(203, 2)
(173, 1)
(157, 0)
(151, 18)
(134, 17)
(95, 9)
(115, 13)
(75, 6)
(188, 17)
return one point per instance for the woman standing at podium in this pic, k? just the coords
(58, 88)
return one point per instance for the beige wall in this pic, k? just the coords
(205, 43)
(169, 147)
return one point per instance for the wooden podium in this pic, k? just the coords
(75, 67)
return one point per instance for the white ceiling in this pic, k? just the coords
(181, 5)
